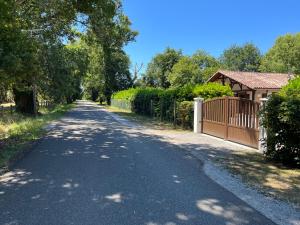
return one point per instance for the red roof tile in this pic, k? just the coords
(255, 80)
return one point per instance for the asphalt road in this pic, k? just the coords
(90, 169)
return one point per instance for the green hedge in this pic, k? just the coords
(281, 118)
(173, 105)
(212, 90)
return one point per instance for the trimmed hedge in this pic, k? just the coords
(212, 90)
(174, 104)
(281, 118)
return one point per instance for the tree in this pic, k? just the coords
(284, 56)
(184, 72)
(241, 58)
(207, 64)
(160, 66)
(35, 61)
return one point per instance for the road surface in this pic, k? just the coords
(90, 169)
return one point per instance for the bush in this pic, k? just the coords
(281, 118)
(161, 103)
(292, 89)
(185, 114)
(212, 90)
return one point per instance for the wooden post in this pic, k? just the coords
(2, 110)
(11, 109)
(226, 117)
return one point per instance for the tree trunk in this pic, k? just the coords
(24, 100)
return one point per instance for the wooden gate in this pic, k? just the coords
(231, 118)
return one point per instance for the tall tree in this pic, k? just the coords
(284, 56)
(241, 58)
(160, 66)
(207, 64)
(184, 72)
(34, 32)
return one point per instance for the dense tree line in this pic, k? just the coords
(49, 52)
(173, 69)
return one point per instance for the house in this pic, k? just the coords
(251, 85)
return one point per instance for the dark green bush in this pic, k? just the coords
(281, 118)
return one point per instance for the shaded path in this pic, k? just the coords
(90, 169)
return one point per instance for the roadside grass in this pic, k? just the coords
(143, 120)
(269, 178)
(17, 130)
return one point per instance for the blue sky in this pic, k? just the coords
(211, 25)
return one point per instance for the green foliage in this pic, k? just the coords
(208, 65)
(128, 94)
(241, 58)
(292, 89)
(34, 57)
(17, 130)
(185, 114)
(212, 90)
(284, 56)
(159, 68)
(184, 72)
(281, 118)
(167, 103)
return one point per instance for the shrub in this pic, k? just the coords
(212, 90)
(142, 101)
(281, 118)
(185, 114)
(292, 89)
(125, 94)
(161, 103)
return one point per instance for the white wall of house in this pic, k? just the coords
(259, 93)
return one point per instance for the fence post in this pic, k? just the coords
(11, 109)
(161, 110)
(174, 113)
(2, 110)
(198, 117)
(151, 108)
(262, 131)
(226, 117)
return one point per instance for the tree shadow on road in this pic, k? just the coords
(90, 169)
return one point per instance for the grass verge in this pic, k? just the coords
(16, 130)
(143, 120)
(268, 177)
(251, 166)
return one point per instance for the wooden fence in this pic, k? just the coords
(233, 119)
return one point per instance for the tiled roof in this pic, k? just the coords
(255, 80)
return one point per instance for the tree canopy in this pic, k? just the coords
(241, 58)
(48, 52)
(160, 66)
(284, 56)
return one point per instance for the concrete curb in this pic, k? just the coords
(279, 212)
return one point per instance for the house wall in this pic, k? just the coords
(258, 93)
